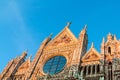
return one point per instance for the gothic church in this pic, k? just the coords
(65, 57)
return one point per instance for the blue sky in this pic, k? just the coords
(25, 23)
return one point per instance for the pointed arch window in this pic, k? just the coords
(84, 73)
(98, 68)
(89, 69)
(93, 71)
(109, 50)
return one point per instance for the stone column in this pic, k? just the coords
(82, 70)
(95, 69)
(106, 72)
(91, 70)
(87, 70)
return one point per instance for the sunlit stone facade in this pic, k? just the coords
(65, 57)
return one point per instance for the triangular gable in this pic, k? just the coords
(91, 55)
(63, 38)
(25, 65)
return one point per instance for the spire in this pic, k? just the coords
(109, 37)
(68, 24)
(115, 37)
(84, 30)
(92, 45)
(103, 43)
(103, 40)
(46, 40)
(109, 34)
(50, 36)
(30, 57)
(26, 51)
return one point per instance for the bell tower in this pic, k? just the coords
(110, 50)
(111, 46)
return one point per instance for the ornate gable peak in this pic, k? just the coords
(91, 48)
(66, 29)
(68, 24)
(65, 34)
(92, 54)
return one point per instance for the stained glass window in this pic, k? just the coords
(54, 65)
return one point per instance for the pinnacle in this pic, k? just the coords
(103, 40)
(68, 24)
(92, 46)
(109, 33)
(50, 35)
(85, 28)
(115, 37)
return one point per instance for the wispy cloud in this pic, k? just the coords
(15, 22)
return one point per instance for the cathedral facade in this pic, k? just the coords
(65, 57)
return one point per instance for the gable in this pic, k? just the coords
(92, 55)
(24, 66)
(65, 37)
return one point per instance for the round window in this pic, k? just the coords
(54, 65)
